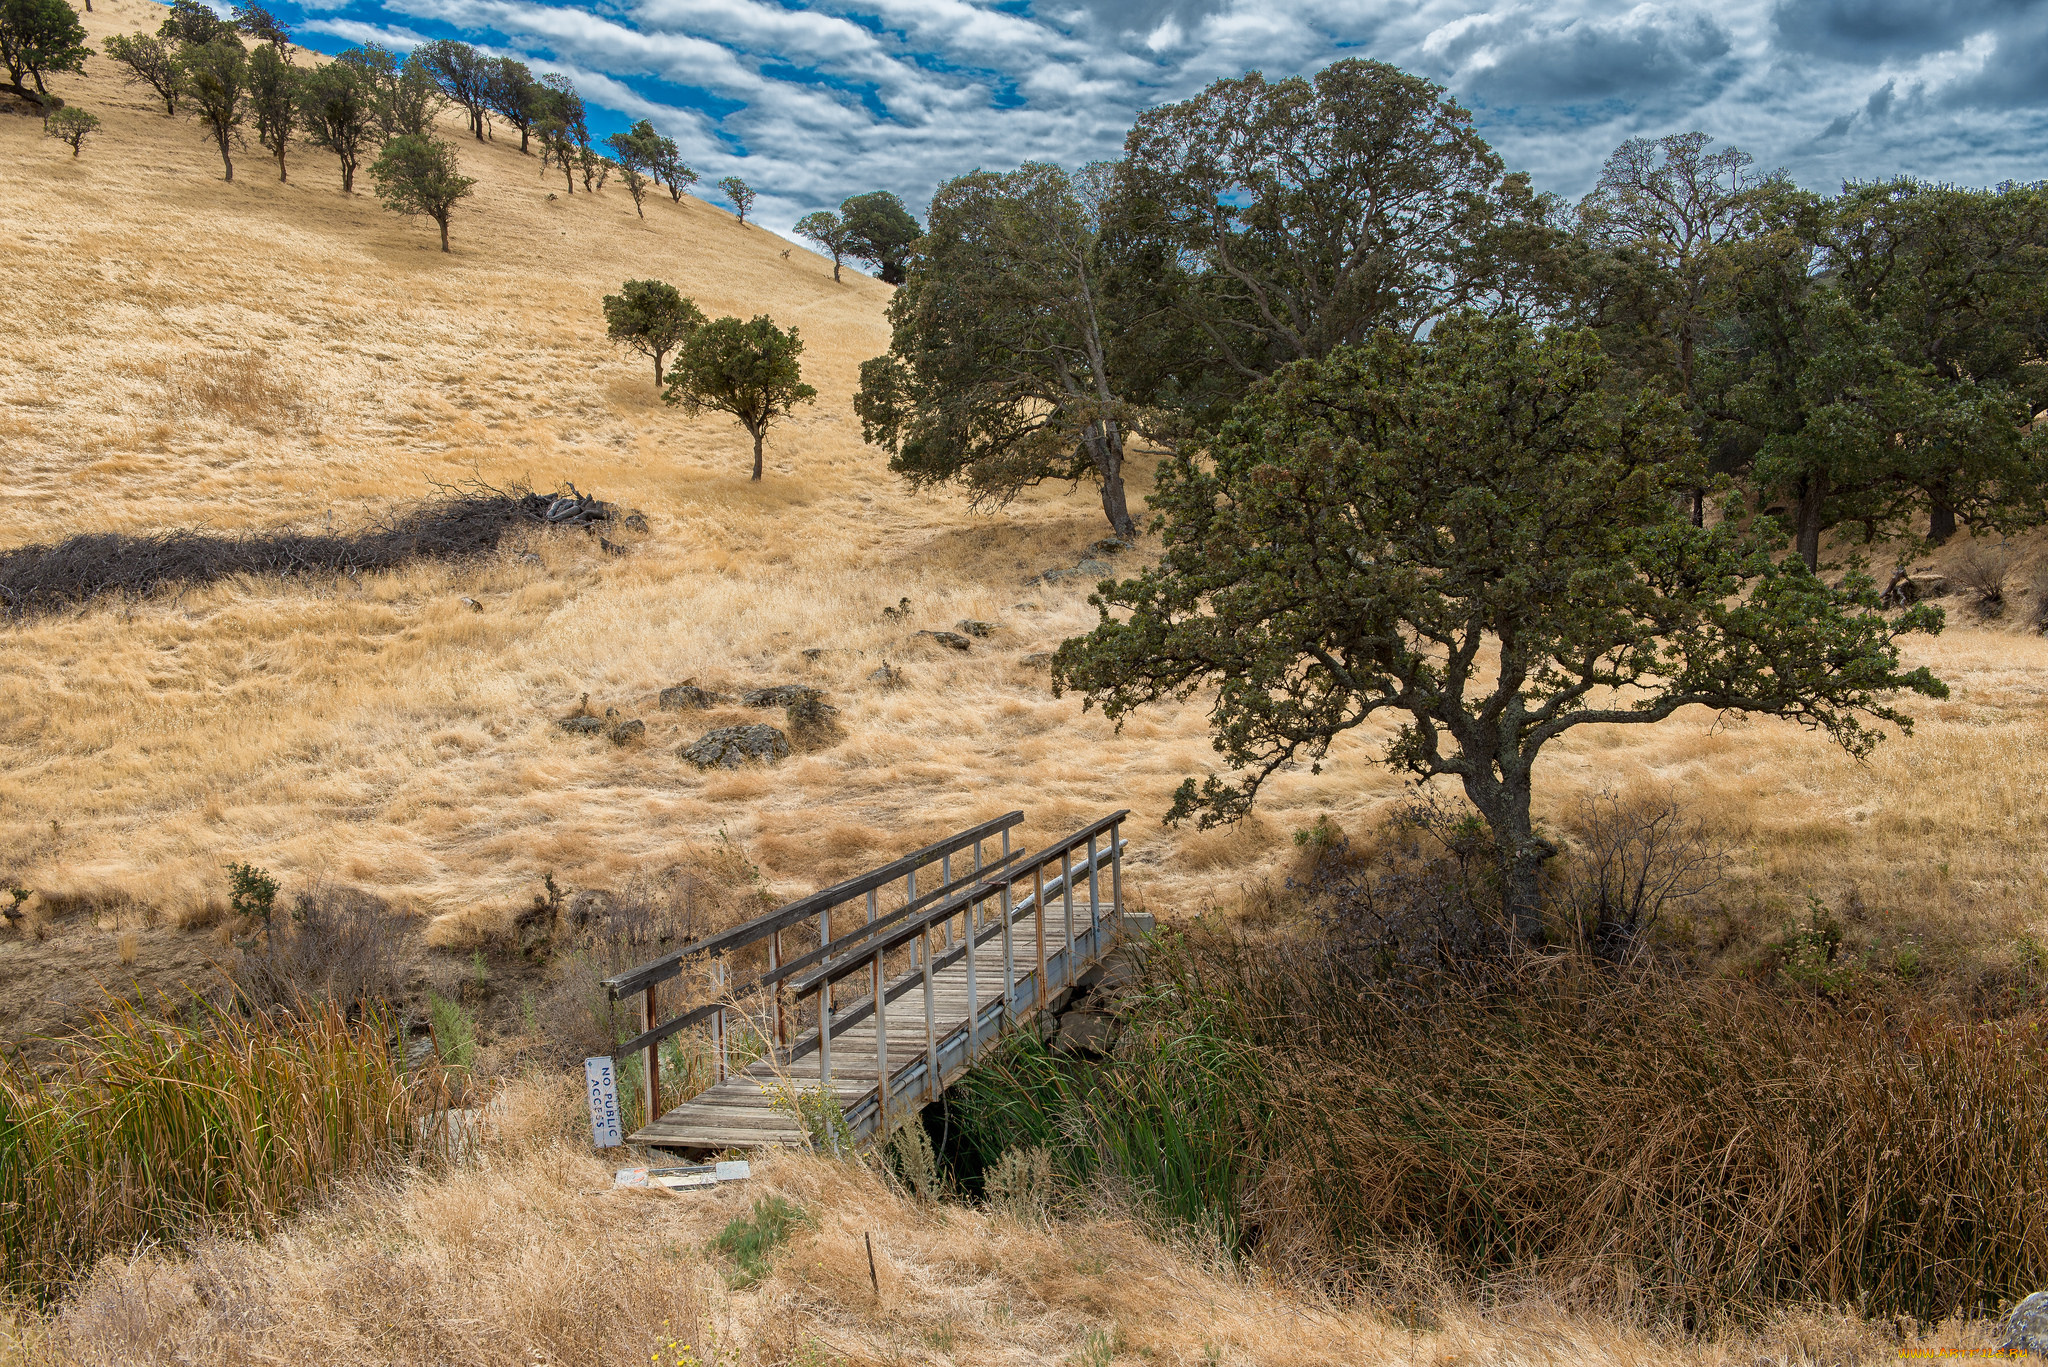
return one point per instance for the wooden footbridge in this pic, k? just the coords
(993, 943)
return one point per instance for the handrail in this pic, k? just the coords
(747, 932)
(1036, 961)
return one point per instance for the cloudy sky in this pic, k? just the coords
(813, 102)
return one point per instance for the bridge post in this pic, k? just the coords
(718, 1021)
(1038, 924)
(774, 962)
(1094, 891)
(1009, 958)
(652, 1082)
(1067, 900)
(1116, 876)
(931, 1035)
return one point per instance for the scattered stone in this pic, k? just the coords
(2026, 1328)
(621, 732)
(1026, 607)
(728, 747)
(687, 697)
(1110, 545)
(951, 640)
(1094, 569)
(900, 611)
(532, 558)
(974, 628)
(582, 726)
(610, 547)
(1037, 659)
(636, 521)
(888, 676)
(782, 695)
(472, 605)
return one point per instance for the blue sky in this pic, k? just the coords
(811, 103)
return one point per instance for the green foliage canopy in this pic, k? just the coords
(151, 61)
(749, 370)
(420, 175)
(829, 231)
(740, 193)
(214, 83)
(999, 367)
(1476, 534)
(39, 38)
(879, 231)
(71, 126)
(274, 100)
(652, 318)
(338, 111)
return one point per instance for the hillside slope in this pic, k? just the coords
(176, 350)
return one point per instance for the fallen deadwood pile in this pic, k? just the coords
(456, 523)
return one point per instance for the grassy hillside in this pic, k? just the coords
(177, 351)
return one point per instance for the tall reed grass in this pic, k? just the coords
(154, 1128)
(1683, 1152)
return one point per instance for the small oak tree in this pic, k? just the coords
(71, 126)
(464, 73)
(192, 24)
(274, 100)
(260, 24)
(563, 126)
(634, 157)
(216, 90)
(514, 93)
(652, 318)
(39, 38)
(337, 110)
(740, 193)
(746, 369)
(151, 61)
(879, 231)
(669, 167)
(419, 175)
(829, 231)
(1477, 535)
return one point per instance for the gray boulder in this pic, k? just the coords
(782, 695)
(970, 627)
(2026, 1328)
(1037, 659)
(687, 697)
(621, 732)
(888, 676)
(728, 747)
(1094, 569)
(951, 640)
(813, 721)
(582, 726)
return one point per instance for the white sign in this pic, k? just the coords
(606, 1128)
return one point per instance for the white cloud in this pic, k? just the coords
(814, 102)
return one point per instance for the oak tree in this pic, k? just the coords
(879, 231)
(151, 61)
(70, 126)
(214, 80)
(748, 369)
(829, 231)
(420, 175)
(652, 318)
(514, 93)
(338, 111)
(1475, 536)
(194, 24)
(999, 372)
(464, 75)
(274, 100)
(39, 38)
(741, 195)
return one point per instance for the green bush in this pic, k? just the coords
(749, 1239)
(251, 892)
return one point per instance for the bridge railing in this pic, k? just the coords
(927, 931)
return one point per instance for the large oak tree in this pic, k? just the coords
(1477, 536)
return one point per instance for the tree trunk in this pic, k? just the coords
(1810, 499)
(280, 163)
(443, 221)
(1699, 507)
(1941, 517)
(522, 144)
(758, 437)
(1520, 850)
(1108, 450)
(226, 161)
(657, 370)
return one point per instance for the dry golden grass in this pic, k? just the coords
(178, 350)
(531, 1257)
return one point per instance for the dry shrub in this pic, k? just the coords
(339, 945)
(1983, 570)
(245, 389)
(457, 523)
(1633, 858)
(154, 1129)
(1685, 1152)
